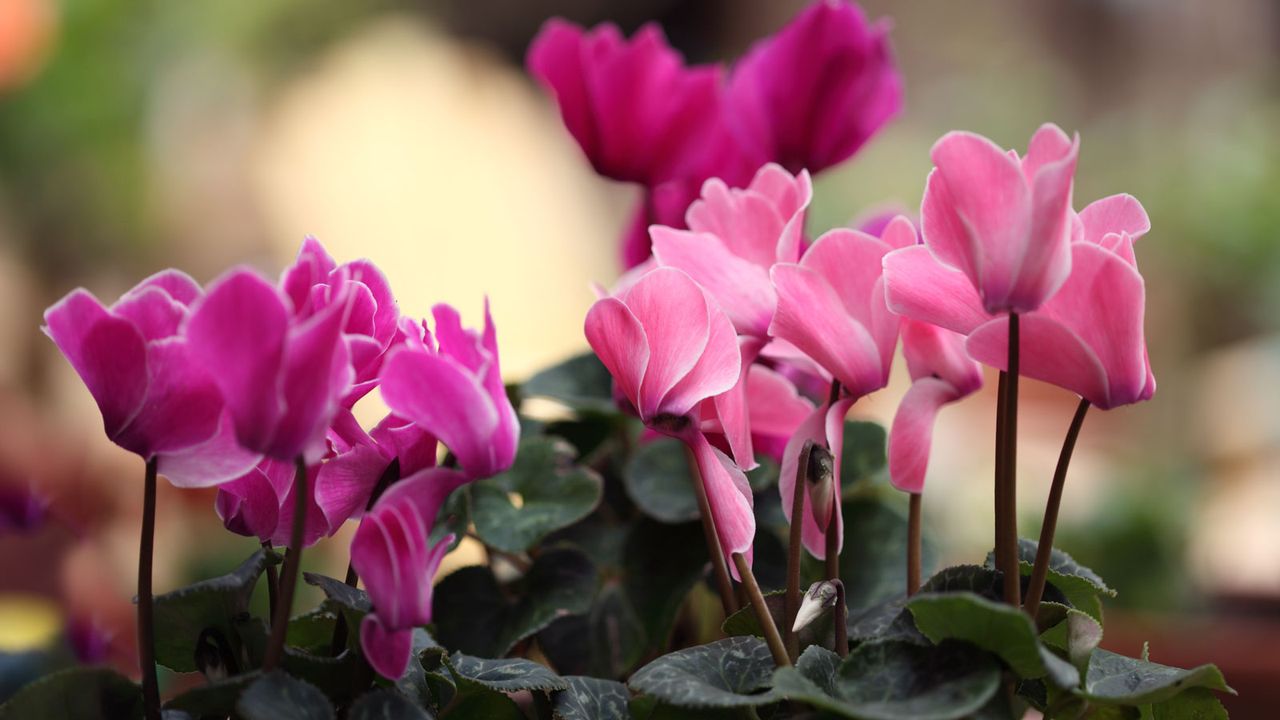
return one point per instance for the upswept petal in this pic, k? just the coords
(1049, 351)
(182, 406)
(388, 651)
(180, 286)
(920, 287)
(215, 461)
(316, 375)
(775, 409)
(932, 351)
(911, 436)
(311, 267)
(154, 313)
(732, 406)
(729, 496)
(672, 309)
(619, 341)
(1114, 214)
(1046, 254)
(739, 286)
(716, 371)
(345, 483)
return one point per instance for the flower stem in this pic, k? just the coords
(1009, 483)
(723, 583)
(841, 621)
(273, 581)
(1039, 573)
(832, 560)
(913, 544)
(771, 636)
(795, 549)
(146, 608)
(289, 576)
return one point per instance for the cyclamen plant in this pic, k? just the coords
(705, 450)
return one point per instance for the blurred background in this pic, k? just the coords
(137, 136)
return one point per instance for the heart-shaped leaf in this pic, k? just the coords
(1079, 585)
(428, 679)
(1194, 704)
(661, 564)
(80, 693)
(505, 674)
(542, 492)
(582, 383)
(218, 698)
(658, 481)
(893, 680)
(183, 615)
(386, 705)
(479, 703)
(1120, 680)
(589, 698)
(472, 615)
(727, 673)
(277, 696)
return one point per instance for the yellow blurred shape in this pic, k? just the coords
(27, 622)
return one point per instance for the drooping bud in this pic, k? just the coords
(820, 482)
(818, 600)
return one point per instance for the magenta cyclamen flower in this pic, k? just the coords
(156, 399)
(1087, 338)
(260, 504)
(371, 318)
(450, 386)
(941, 373)
(347, 480)
(735, 236)
(1004, 222)
(669, 348)
(774, 408)
(396, 561)
(637, 112)
(831, 305)
(281, 371)
(810, 96)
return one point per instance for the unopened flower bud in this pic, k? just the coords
(821, 485)
(818, 600)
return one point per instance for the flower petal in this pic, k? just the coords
(618, 340)
(672, 309)
(388, 651)
(729, 496)
(1114, 214)
(911, 435)
(739, 286)
(921, 288)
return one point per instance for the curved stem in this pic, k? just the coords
(1001, 392)
(723, 583)
(833, 529)
(289, 576)
(795, 548)
(771, 636)
(1009, 485)
(913, 545)
(146, 608)
(273, 582)
(1040, 572)
(842, 621)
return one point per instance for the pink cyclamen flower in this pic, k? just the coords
(396, 561)
(156, 398)
(812, 95)
(260, 504)
(1004, 222)
(669, 348)
(831, 305)
(821, 504)
(637, 112)
(347, 480)
(450, 387)
(775, 409)
(1087, 338)
(281, 369)
(371, 318)
(735, 236)
(941, 373)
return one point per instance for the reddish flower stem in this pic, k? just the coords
(289, 576)
(1040, 572)
(771, 636)
(273, 581)
(146, 608)
(1009, 484)
(914, 540)
(723, 583)
(795, 549)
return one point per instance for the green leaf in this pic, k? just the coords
(864, 453)
(1078, 634)
(341, 677)
(727, 673)
(541, 493)
(644, 707)
(1078, 584)
(427, 678)
(661, 564)
(484, 705)
(589, 698)
(893, 680)
(216, 698)
(746, 622)
(658, 481)
(278, 696)
(992, 626)
(473, 616)
(79, 693)
(1194, 704)
(582, 383)
(1121, 680)
(386, 705)
(505, 674)
(182, 615)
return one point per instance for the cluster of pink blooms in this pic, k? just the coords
(230, 385)
(723, 335)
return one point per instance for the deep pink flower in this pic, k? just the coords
(663, 205)
(347, 480)
(669, 347)
(260, 504)
(637, 112)
(450, 387)
(810, 96)
(941, 372)
(831, 305)
(156, 399)
(824, 426)
(1086, 338)
(315, 281)
(735, 236)
(282, 372)
(774, 410)
(397, 563)
(1004, 222)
